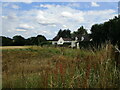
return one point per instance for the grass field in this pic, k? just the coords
(13, 47)
(50, 67)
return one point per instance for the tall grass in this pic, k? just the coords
(50, 67)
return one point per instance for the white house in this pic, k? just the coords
(61, 41)
(73, 43)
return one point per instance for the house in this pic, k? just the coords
(72, 42)
(62, 41)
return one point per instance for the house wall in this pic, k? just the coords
(60, 41)
(73, 44)
(54, 42)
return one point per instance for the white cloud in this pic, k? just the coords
(28, 1)
(94, 4)
(64, 26)
(26, 26)
(45, 6)
(4, 17)
(66, 14)
(53, 25)
(73, 5)
(59, 0)
(21, 30)
(75, 16)
(48, 21)
(5, 4)
(15, 7)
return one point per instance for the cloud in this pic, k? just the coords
(74, 5)
(25, 1)
(46, 24)
(58, 0)
(50, 20)
(77, 16)
(28, 1)
(64, 26)
(21, 30)
(26, 26)
(5, 4)
(94, 4)
(45, 6)
(66, 14)
(15, 6)
(4, 17)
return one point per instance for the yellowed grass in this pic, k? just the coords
(14, 47)
(49, 67)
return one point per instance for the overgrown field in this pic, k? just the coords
(50, 67)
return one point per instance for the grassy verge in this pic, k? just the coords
(50, 67)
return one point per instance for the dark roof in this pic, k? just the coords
(67, 39)
(86, 37)
(56, 38)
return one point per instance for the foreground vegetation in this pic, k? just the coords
(50, 67)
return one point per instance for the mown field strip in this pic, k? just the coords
(14, 47)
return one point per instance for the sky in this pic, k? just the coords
(30, 19)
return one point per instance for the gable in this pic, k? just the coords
(60, 41)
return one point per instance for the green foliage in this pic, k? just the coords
(6, 41)
(18, 40)
(81, 31)
(21, 41)
(108, 31)
(63, 33)
(39, 40)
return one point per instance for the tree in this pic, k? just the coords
(18, 40)
(30, 41)
(40, 39)
(66, 33)
(108, 31)
(81, 31)
(6, 41)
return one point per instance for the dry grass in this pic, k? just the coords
(49, 67)
(13, 47)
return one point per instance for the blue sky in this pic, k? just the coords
(47, 18)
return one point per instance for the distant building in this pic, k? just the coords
(62, 41)
(72, 42)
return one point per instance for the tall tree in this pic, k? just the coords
(81, 31)
(40, 39)
(108, 31)
(18, 40)
(6, 41)
(66, 33)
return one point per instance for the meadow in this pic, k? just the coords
(59, 67)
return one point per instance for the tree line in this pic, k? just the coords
(100, 33)
(18, 40)
(66, 33)
(108, 31)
